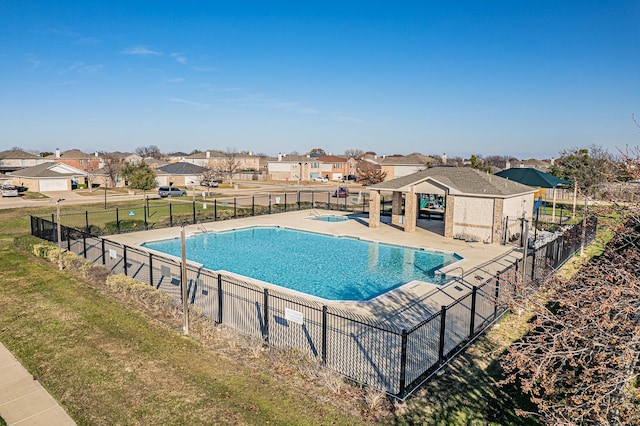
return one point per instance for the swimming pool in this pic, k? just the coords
(334, 268)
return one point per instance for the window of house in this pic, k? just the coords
(81, 161)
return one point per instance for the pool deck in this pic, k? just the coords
(403, 305)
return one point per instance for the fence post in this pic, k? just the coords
(443, 329)
(324, 334)
(472, 322)
(329, 200)
(68, 234)
(84, 245)
(117, 221)
(313, 199)
(497, 295)
(234, 207)
(403, 363)
(269, 203)
(150, 269)
(194, 212)
(86, 220)
(533, 263)
(285, 202)
(104, 259)
(253, 205)
(265, 329)
(219, 299)
(124, 259)
(170, 215)
(144, 209)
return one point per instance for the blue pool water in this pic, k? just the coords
(325, 266)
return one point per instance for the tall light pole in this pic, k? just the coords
(59, 232)
(183, 273)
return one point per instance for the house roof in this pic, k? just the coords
(532, 177)
(461, 180)
(332, 159)
(182, 169)
(17, 154)
(405, 160)
(48, 170)
(71, 154)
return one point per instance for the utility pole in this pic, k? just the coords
(59, 232)
(183, 276)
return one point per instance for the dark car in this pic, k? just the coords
(171, 191)
(341, 192)
(350, 177)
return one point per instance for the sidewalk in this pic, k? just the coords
(23, 400)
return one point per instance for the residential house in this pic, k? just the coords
(402, 165)
(16, 159)
(179, 174)
(336, 168)
(222, 162)
(77, 159)
(49, 176)
(293, 168)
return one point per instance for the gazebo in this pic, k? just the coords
(475, 203)
(536, 178)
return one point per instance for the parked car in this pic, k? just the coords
(350, 177)
(341, 192)
(9, 191)
(210, 183)
(320, 179)
(171, 191)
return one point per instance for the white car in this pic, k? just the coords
(320, 179)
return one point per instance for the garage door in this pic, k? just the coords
(53, 185)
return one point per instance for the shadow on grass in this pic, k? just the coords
(466, 393)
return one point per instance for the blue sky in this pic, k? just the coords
(521, 78)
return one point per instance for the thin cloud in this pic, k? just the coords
(196, 105)
(181, 59)
(141, 51)
(175, 80)
(204, 69)
(33, 62)
(81, 68)
(88, 40)
(295, 107)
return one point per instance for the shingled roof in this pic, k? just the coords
(182, 169)
(16, 154)
(532, 177)
(459, 180)
(48, 170)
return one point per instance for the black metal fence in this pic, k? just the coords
(395, 357)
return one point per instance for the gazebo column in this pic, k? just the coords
(498, 212)
(410, 211)
(374, 209)
(448, 215)
(396, 208)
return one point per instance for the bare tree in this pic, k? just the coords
(370, 174)
(580, 361)
(231, 163)
(151, 151)
(354, 153)
(112, 167)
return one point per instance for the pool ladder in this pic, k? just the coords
(201, 226)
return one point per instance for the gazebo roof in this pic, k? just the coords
(461, 180)
(532, 177)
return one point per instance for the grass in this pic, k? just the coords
(109, 364)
